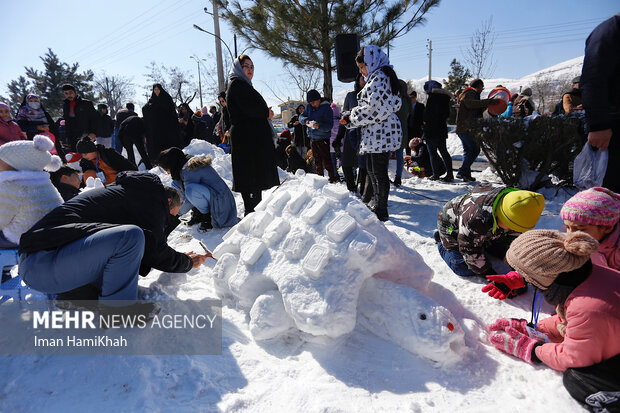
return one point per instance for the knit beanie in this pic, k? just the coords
(541, 255)
(520, 210)
(313, 95)
(594, 206)
(85, 145)
(26, 155)
(5, 106)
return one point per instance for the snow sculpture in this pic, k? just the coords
(413, 321)
(316, 245)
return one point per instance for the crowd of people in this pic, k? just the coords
(123, 225)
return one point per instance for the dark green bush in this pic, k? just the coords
(546, 145)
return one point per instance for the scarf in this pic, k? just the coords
(375, 59)
(236, 72)
(27, 113)
(559, 290)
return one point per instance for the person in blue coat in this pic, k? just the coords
(319, 118)
(203, 189)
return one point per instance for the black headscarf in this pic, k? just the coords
(164, 97)
(173, 160)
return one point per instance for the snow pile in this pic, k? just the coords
(303, 257)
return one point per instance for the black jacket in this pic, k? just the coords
(105, 128)
(137, 198)
(436, 114)
(600, 75)
(252, 149)
(112, 158)
(416, 121)
(295, 162)
(132, 126)
(66, 191)
(123, 114)
(85, 121)
(299, 132)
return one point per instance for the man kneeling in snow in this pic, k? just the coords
(105, 237)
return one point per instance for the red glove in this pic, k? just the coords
(518, 324)
(511, 341)
(503, 285)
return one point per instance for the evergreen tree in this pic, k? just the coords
(457, 77)
(47, 83)
(303, 32)
(18, 89)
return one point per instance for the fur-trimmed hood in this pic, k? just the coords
(198, 161)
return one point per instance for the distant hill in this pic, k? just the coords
(547, 84)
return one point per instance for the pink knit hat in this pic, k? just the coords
(594, 206)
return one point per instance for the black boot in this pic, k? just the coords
(206, 225)
(197, 217)
(447, 178)
(397, 181)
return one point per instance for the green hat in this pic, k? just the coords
(520, 210)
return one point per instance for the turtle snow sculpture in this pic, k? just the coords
(303, 258)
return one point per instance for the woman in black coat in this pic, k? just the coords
(162, 125)
(252, 149)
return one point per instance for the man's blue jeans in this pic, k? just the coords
(471, 150)
(108, 259)
(455, 261)
(400, 162)
(116, 142)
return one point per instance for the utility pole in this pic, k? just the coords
(199, 81)
(218, 47)
(235, 40)
(429, 46)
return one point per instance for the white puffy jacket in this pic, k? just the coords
(25, 198)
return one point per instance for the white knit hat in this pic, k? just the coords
(25, 155)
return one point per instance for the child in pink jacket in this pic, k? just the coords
(595, 211)
(583, 338)
(9, 130)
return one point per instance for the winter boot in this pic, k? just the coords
(197, 217)
(206, 225)
(397, 181)
(447, 178)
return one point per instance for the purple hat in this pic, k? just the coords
(594, 206)
(5, 106)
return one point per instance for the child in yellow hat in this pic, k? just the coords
(484, 221)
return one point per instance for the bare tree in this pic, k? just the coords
(114, 90)
(479, 55)
(180, 84)
(543, 89)
(304, 79)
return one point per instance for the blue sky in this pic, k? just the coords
(122, 37)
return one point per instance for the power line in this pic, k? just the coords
(109, 42)
(123, 48)
(106, 38)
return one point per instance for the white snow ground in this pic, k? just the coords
(355, 372)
